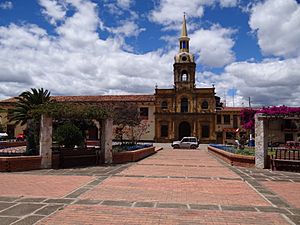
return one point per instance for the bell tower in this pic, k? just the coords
(184, 66)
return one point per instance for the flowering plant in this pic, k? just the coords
(247, 115)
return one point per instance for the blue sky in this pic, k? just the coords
(93, 47)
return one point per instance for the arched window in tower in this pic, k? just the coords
(184, 75)
(164, 105)
(184, 105)
(204, 105)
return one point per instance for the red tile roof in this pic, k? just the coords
(106, 98)
(97, 98)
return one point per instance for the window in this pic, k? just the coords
(164, 130)
(219, 119)
(226, 119)
(205, 131)
(204, 105)
(144, 112)
(184, 105)
(164, 105)
(184, 75)
(183, 44)
(235, 121)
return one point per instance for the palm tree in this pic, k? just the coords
(27, 101)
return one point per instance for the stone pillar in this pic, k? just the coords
(261, 141)
(46, 141)
(106, 139)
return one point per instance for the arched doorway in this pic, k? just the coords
(184, 130)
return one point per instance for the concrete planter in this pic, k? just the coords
(233, 159)
(132, 156)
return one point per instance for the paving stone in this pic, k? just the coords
(294, 218)
(271, 209)
(4, 205)
(47, 210)
(144, 204)
(7, 220)
(60, 200)
(77, 193)
(29, 220)
(295, 211)
(238, 208)
(117, 203)
(171, 205)
(277, 201)
(8, 199)
(96, 182)
(31, 200)
(87, 202)
(204, 207)
(21, 209)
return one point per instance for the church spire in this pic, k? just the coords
(184, 30)
(184, 40)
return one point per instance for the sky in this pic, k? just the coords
(246, 49)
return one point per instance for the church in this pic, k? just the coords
(170, 114)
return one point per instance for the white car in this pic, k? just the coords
(3, 136)
(186, 142)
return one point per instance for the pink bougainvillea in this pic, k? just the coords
(247, 115)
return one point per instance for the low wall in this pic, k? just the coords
(6, 144)
(132, 156)
(20, 163)
(67, 158)
(233, 159)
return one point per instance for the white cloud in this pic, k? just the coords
(125, 4)
(76, 61)
(170, 12)
(277, 25)
(214, 46)
(270, 82)
(53, 10)
(228, 3)
(6, 5)
(127, 29)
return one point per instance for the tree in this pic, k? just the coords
(22, 115)
(69, 135)
(125, 119)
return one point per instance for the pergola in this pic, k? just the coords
(49, 111)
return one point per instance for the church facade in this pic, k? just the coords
(185, 110)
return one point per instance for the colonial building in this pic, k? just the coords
(184, 110)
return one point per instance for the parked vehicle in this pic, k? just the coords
(3, 136)
(186, 142)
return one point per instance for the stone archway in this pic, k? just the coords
(184, 130)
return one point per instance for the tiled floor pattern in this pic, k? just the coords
(170, 187)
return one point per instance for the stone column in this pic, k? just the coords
(46, 141)
(106, 139)
(261, 141)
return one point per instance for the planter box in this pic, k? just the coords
(20, 163)
(233, 159)
(12, 144)
(132, 156)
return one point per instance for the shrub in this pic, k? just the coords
(68, 135)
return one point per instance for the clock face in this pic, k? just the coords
(184, 58)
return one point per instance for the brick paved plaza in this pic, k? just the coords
(170, 187)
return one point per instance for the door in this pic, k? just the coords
(184, 130)
(219, 138)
